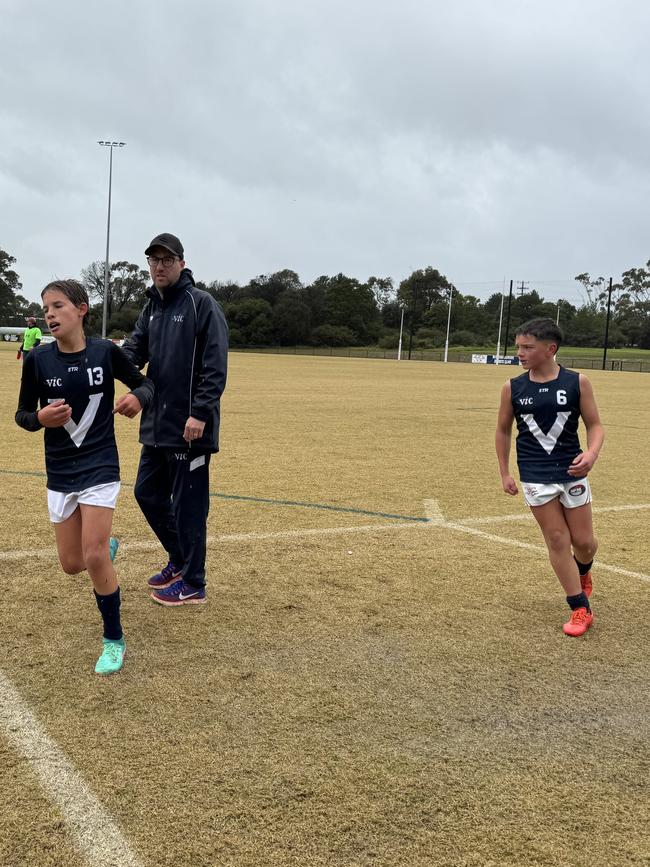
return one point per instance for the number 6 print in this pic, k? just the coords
(561, 397)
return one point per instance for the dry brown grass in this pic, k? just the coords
(395, 696)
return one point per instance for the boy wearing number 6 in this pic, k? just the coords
(547, 402)
(73, 379)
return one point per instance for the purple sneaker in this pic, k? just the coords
(179, 593)
(165, 577)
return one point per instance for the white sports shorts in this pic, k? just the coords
(62, 505)
(571, 494)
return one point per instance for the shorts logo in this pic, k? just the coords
(577, 490)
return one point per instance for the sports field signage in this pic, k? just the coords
(494, 359)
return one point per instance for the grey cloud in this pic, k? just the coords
(477, 137)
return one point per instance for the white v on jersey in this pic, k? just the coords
(547, 415)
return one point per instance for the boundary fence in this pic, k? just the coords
(633, 365)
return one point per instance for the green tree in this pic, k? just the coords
(269, 287)
(421, 292)
(383, 290)
(350, 304)
(9, 285)
(593, 289)
(530, 305)
(586, 328)
(223, 292)
(127, 285)
(315, 296)
(251, 322)
(333, 335)
(291, 318)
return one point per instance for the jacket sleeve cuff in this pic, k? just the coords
(143, 394)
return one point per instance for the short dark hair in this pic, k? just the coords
(542, 329)
(74, 291)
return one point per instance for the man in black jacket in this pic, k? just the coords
(182, 334)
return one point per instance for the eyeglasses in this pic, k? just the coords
(165, 261)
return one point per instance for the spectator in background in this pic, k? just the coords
(31, 338)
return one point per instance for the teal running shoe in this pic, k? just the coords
(113, 545)
(112, 657)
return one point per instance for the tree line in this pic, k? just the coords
(279, 309)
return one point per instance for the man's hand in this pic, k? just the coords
(582, 464)
(19, 354)
(509, 485)
(55, 414)
(128, 405)
(193, 429)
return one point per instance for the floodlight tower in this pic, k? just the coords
(111, 145)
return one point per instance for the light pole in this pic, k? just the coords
(609, 304)
(451, 292)
(500, 321)
(401, 329)
(111, 145)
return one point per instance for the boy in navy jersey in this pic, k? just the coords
(547, 403)
(73, 379)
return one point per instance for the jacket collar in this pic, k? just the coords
(184, 282)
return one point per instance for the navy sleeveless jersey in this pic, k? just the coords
(83, 452)
(547, 415)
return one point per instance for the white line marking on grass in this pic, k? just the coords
(97, 837)
(20, 555)
(48, 553)
(433, 512)
(522, 516)
(515, 543)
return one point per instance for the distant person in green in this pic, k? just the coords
(31, 338)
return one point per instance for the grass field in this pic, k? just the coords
(629, 360)
(365, 686)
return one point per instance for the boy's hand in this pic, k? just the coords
(128, 405)
(509, 485)
(18, 354)
(582, 464)
(55, 414)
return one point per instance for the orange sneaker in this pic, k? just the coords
(579, 623)
(585, 583)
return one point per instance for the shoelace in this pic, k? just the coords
(114, 651)
(168, 571)
(579, 615)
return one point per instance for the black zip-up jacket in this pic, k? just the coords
(184, 338)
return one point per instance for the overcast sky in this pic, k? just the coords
(491, 140)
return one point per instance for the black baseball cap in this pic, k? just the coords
(169, 242)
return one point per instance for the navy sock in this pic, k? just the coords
(109, 608)
(583, 568)
(578, 601)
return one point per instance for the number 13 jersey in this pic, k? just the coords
(547, 415)
(82, 453)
